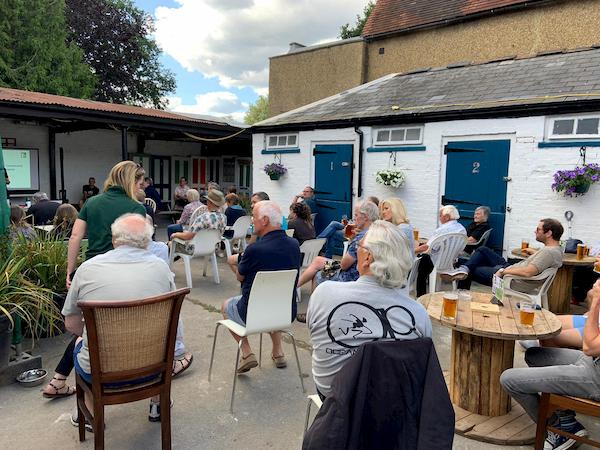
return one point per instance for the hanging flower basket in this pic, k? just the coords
(390, 177)
(572, 183)
(275, 170)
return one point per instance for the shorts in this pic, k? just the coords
(579, 323)
(232, 310)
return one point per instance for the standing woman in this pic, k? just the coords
(393, 210)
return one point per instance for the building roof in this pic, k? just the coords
(394, 16)
(536, 85)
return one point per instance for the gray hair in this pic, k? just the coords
(213, 185)
(193, 195)
(485, 210)
(450, 210)
(261, 195)
(38, 197)
(132, 230)
(271, 210)
(392, 255)
(369, 209)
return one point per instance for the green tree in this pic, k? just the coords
(34, 54)
(347, 32)
(257, 111)
(115, 37)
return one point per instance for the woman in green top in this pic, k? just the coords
(99, 212)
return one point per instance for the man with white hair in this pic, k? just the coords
(449, 216)
(342, 316)
(42, 211)
(273, 251)
(129, 272)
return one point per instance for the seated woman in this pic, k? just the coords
(300, 221)
(193, 197)
(234, 211)
(18, 226)
(393, 210)
(63, 221)
(337, 310)
(210, 220)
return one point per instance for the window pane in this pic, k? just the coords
(272, 141)
(587, 126)
(292, 139)
(398, 135)
(563, 126)
(281, 141)
(383, 135)
(413, 134)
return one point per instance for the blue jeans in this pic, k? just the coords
(482, 264)
(174, 228)
(335, 237)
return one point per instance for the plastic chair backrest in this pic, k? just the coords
(444, 250)
(485, 237)
(412, 276)
(550, 273)
(311, 249)
(204, 242)
(270, 302)
(151, 203)
(240, 227)
(195, 214)
(290, 232)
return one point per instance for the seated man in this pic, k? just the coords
(342, 316)
(365, 214)
(476, 228)
(89, 190)
(129, 272)
(273, 251)
(560, 371)
(485, 263)
(307, 196)
(210, 220)
(180, 195)
(42, 211)
(151, 191)
(449, 216)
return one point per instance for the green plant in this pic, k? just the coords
(390, 177)
(245, 203)
(577, 181)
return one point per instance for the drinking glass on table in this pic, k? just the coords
(450, 305)
(526, 313)
(580, 251)
(416, 235)
(524, 244)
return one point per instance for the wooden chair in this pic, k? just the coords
(151, 203)
(128, 340)
(550, 403)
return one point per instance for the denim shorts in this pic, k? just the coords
(232, 311)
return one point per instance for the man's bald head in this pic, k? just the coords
(132, 230)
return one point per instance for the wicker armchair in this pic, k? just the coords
(129, 340)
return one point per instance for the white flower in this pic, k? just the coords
(390, 177)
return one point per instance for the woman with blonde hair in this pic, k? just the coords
(63, 221)
(393, 210)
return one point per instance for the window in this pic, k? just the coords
(574, 127)
(399, 136)
(282, 141)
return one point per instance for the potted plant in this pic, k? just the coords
(275, 170)
(573, 183)
(390, 177)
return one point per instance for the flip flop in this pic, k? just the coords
(70, 390)
(247, 363)
(184, 362)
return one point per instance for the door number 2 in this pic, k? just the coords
(476, 166)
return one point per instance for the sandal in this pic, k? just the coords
(181, 365)
(60, 391)
(247, 363)
(301, 318)
(279, 361)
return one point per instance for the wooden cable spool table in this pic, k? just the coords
(482, 348)
(559, 294)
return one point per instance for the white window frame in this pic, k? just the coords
(377, 143)
(278, 136)
(576, 119)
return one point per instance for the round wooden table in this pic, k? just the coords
(559, 294)
(483, 346)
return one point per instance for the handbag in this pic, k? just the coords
(571, 245)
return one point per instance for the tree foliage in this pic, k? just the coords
(34, 53)
(115, 38)
(347, 32)
(257, 111)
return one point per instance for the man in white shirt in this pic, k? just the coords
(449, 216)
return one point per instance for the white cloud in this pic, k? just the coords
(217, 104)
(233, 39)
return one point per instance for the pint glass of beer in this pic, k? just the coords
(580, 251)
(349, 230)
(524, 244)
(450, 305)
(526, 313)
(597, 267)
(416, 234)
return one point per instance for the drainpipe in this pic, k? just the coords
(360, 158)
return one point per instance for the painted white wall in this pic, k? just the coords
(529, 194)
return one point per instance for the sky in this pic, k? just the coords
(219, 49)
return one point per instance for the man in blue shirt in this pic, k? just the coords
(273, 251)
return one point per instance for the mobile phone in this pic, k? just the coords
(537, 307)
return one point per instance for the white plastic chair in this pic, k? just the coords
(269, 310)
(204, 246)
(290, 232)
(346, 245)
(311, 249)
(443, 251)
(240, 228)
(196, 213)
(475, 245)
(411, 281)
(151, 203)
(541, 298)
(318, 403)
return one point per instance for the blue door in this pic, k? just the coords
(333, 183)
(475, 176)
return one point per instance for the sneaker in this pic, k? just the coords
(154, 411)
(557, 442)
(75, 421)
